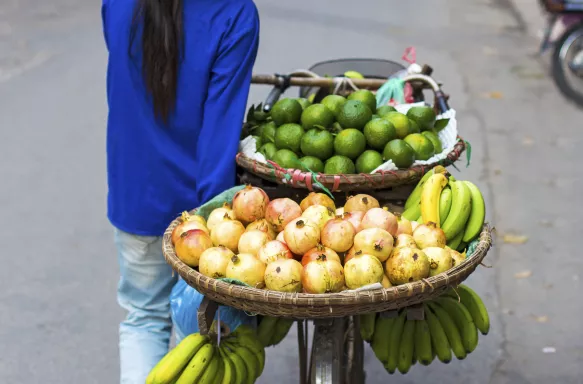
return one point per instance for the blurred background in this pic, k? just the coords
(58, 310)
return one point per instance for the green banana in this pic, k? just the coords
(456, 241)
(439, 341)
(420, 219)
(430, 198)
(477, 213)
(444, 204)
(394, 342)
(462, 247)
(416, 194)
(413, 212)
(423, 351)
(406, 347)
(211, 372)
(221, 373)
(281, 330)
(463, 320)
(239, 365)
(476, 307)
(381, 336)
(367, 325)
(254, 346)
(460, 209)
(266, 329)
(170, 366)
(230, 376)
(251, 363)
(453, 334)
(197, 365)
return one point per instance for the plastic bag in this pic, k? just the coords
(184, 303)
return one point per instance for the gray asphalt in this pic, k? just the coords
(58, 313)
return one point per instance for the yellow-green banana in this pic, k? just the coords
(476, 307)
(423, 351)
(415, 196)
(197, 365)
(453, 334)
(253, 345)
(430, 198)
(413, 212)
(460, 209)
(230, 375)
(174, 362)
(281, 330)
(239, 365)
(266, 329)
(439, 342)
(406, 347)
(211, 371)
(395, 342)
(444, 204)
(251, 362)
(367, 325)
(381, 336)
(477, 213)
(221, 373)
(456, 241)
(463, 320)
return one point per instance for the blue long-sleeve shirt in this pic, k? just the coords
(155, 170)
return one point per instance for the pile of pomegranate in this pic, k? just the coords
(311, 247)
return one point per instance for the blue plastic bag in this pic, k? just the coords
(184, 303)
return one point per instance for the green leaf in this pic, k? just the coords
(440, 124)
(315, 180)
(250, 114)
(468, 152)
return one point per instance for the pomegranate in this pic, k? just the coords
(428, 235)
(247, 269)
(213, 262)
(250, 203)
(188, 222)
(301, 235)
(274, 250)
(374, 241)
(361, 203)
(440, 260)
(340, 211)
(280, 237)
(281, 211)
(314, 254)
(363, 270)
(351, 253)
(314, 198)
(457, 257)
(414, 225)
(228, 233)
(191, 245)
(323, 276)
(380, 218)
(407, 265)
(284, 275)
(404, 226)
(263, 225)
(354, 218)
(338, 235)
(405, 241)
(319, 214)
(386, 283)
(252, 241)
(219, 214)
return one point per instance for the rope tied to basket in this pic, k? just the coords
(340, 82)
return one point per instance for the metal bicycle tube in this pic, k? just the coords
(328, 352)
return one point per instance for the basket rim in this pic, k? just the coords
(346, 298)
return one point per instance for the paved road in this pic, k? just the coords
(58, 317)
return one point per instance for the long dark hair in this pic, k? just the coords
(162, 39)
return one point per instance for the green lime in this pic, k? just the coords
(378, 133)
(353, 75)
(305, 103)
(268, 150)
(350, 143)
(400, 153)
(311, 163)
(286, 111)
(317, 143)
(367, 97)
(286, 159)
(374, 116)
(258, 142)
(400, 122)
(421, 145)
(268, 132)
(339, 164)
(432, 136)
(413, 127)
(384, 110)
(317, 115)
(354, 114)
(368, 161)
(334, 103)
(424, 116)
(289, 136)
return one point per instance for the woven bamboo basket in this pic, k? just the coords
(360, 182)
(311, 306)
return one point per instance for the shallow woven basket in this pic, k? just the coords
(359, 182)
(310, 306)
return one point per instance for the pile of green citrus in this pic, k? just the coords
(346, 135)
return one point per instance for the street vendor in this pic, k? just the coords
(178, 78)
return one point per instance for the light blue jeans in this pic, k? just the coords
(144, 289)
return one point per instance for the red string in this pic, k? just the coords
(410, 51)
(369, 178)
(309, 183)
(336, 183)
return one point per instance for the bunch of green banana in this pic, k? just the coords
(450, 328)
(272, 330)
(240, 358)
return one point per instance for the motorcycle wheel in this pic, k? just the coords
(566, 68)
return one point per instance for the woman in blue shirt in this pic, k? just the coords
(178, 77)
